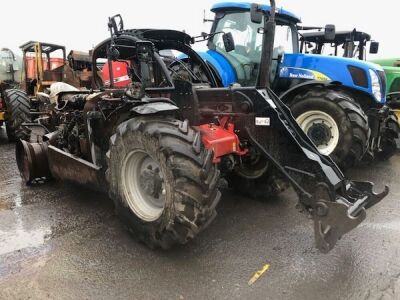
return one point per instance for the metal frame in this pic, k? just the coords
(39, 48)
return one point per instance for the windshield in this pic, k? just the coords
(350, 49)
(246, 56)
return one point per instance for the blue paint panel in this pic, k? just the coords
(221, 65)
(246, 6)
(335, 68)
(303, 66)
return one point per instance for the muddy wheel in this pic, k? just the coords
(162, 180)
(262, 188)
(255, 178)
(18, 112)
(388, 146)
(335, 123)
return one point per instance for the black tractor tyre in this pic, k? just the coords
(267, 186)
(190, 179)
(352, 122)
(18, 112)
(388, 146)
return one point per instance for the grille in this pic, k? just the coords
(359, 76)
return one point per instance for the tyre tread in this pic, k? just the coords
(195, 175)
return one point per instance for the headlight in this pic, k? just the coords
(376, 85)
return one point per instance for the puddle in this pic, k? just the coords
(21, 234)
(19, 239)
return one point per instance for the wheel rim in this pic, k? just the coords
(252, 167)
(321, 128)
(144, 186)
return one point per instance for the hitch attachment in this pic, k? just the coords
(336, 205)
(334, 219)
(331, 221)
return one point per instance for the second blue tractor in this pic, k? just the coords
(339, 102)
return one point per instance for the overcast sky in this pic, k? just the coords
(82, 24)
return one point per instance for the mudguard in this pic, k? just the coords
(294, 90)
(154, 108)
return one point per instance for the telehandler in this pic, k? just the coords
(161, 147)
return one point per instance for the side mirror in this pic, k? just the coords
(256, 15)
(229, 43)
(330, 32)
(205, 19)
(374, 47)
(114, 25)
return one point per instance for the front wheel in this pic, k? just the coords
(162, 180)
(335, 123)
(18, 112)
(391, 132)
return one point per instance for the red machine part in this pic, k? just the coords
(221, 139)
(30, 66)
(120, 73)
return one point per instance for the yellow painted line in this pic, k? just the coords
(2, 116)
(258, 274)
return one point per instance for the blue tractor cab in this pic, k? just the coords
(339, 102)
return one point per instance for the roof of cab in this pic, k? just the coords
(221, 6)
(340, 36)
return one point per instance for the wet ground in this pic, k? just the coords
(60, 241)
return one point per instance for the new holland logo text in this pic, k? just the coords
(298, 73)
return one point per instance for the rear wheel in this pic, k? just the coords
(18, 112)
(262, 188)
(388, 146)
(162, 180)
(255, 178)
(335, 123)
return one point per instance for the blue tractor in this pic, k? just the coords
(338, 102)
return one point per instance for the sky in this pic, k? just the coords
(80, 25)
